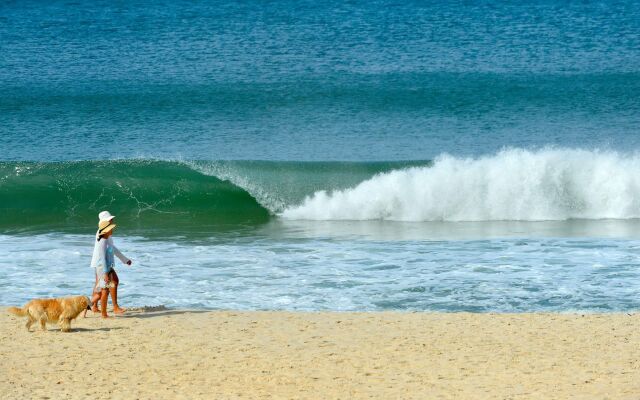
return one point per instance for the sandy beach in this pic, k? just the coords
(223, 354)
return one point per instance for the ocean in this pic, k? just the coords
(350, 156)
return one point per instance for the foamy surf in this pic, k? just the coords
(534, 274)
(514, 184)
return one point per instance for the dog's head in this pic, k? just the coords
(88, 303)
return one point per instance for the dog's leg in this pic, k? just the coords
(43, 324)
(65, 325)
(30, 322)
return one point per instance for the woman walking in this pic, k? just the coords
(103, 262)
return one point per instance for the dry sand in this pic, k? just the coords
(217, 355)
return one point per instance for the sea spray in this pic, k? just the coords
(514, 184)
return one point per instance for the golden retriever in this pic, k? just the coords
(46, 311)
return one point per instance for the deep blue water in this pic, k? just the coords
(315, 80)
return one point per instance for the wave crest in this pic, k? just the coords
(514, 184)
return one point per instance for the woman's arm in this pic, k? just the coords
(121, 256)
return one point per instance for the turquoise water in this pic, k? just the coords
(317, 81)
(356, 156)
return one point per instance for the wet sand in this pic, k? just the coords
(225, 354)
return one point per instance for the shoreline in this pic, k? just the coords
(171, 353)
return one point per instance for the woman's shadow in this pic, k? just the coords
(160, 313)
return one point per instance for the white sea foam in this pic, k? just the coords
(313, 274)
(514, 184)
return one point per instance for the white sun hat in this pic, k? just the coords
(105, 216)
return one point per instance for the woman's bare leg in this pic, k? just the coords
(114, 293)
(104, 295)
(94, 304)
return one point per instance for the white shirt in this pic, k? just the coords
(99, 256)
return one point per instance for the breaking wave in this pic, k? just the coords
(164, 195)
(514, 184)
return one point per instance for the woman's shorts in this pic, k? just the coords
(102, 284)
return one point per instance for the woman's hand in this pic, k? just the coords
(106, 279)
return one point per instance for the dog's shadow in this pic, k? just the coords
(75, 330)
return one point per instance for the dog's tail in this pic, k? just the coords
(20, 312)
